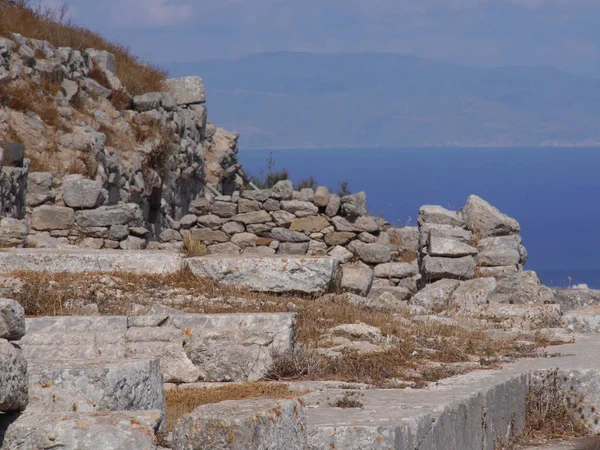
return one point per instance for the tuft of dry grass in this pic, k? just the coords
(24, 95)
(349, 400)
(85, 165)
(121, 100)
(184, 401)
(193, 248)
(53, 25)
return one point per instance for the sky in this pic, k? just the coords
(477, 33)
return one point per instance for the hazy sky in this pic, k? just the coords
(482, 33)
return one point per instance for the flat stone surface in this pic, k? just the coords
(80, 261)
(105, 216)
(583, 320)
(357, 279)
(13, 378)
(261, 424)
(269, 274)
(440, 216)
(95, 386)
(486, 220)
(45, 218)
(458, 268)
(448, 247)
(187, 90)
(81, 431)
(449, 415)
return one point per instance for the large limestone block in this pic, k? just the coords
(299, 208)
(447, 231)
(524, 317)
(12, 320)
(13, 232)
(322, 197)
(355, 225)
(441, 216)
(437, 295)
(39, 188)
(285, 235)
(522, 288)
(370, 253)
(436, 268)
(70, 338)
(311, 224)
(13, 379)
(396, 270)
(583, 320)
(333, 206)
(357, 279)
(448, 247)
(293, 248)
(80, 261)
(81, 192)
(486, 220)
(261, 424)
(405, 238)
(187, 90)
(474, 292)
(81, 431)
(495, 257)
(339, 238)
(272, 274)
(283, 190)
(570, 299)
(354, 205)
(47, 218)
(512, 242)
(209, 236)
(95, 386)
(165, 344)
(252, 217)
(106, 216)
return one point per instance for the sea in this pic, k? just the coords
(553, 192)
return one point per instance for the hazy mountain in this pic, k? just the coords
(368, 99)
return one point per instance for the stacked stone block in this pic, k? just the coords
(13, 366)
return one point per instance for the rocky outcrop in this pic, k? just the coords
(13, 366)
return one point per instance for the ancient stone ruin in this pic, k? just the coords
(450, 299)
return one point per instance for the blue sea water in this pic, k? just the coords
(553, 192)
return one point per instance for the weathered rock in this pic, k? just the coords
(253, 217)
(201, 206)
(405, 238)
(261, 424)
(187, 90)
(79, 192)
(45, 218)
(448, 247)
(188, 221)
(282, 218)
(447, 231)
(12, 154)
(583, 320)
(497, 272)
(105, 216)
(13, 379)
(207, 235)
(293, 248)
(170, 235)
(322, 197)
(358, 330)
(272, 205)
(245, 205)
(354, 205)
(233, 228)
(512, 242)
(333, 206)
(224, 209)
(75, 261)
(82, 431)
(283, 190)
(309, 224)
(392, 295)
(485, 220)
(261, 195)
(307, 195)
(244, 240)
(437, 295)
(396, 270)
(13, 232)
(317, 248)
(285, 235)
(44, 240)
(339, 238)
(357, 225)
(474, 292)
(166, 344)
(259, 251)
(210, 221)
(311, 275)
(521, 288)
(357, 279)
(12, 320)
(494, 257)
(570, 299)
(87, 386)
(370, 253)
(524, 317)
(138, 231)
(133, 243)
(118, 232)
(299, 208)
(39, 188)
(227, 248)
(341, 254)
(457, 268)
(440, 216)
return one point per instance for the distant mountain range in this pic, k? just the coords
(302, 100)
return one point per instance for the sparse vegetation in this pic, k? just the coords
(24, 95)
(343, 188)
(193, 248)
(309, 182)
(55, 26)
(349, 400)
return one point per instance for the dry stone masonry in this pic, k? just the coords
(13, 366)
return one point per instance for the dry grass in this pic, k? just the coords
(157, 159)
(408, 345)
(53, 25)
(84, 164)
(121, 100)
(24, 95)
(349, 400)
(184, 401)
(193, 248)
